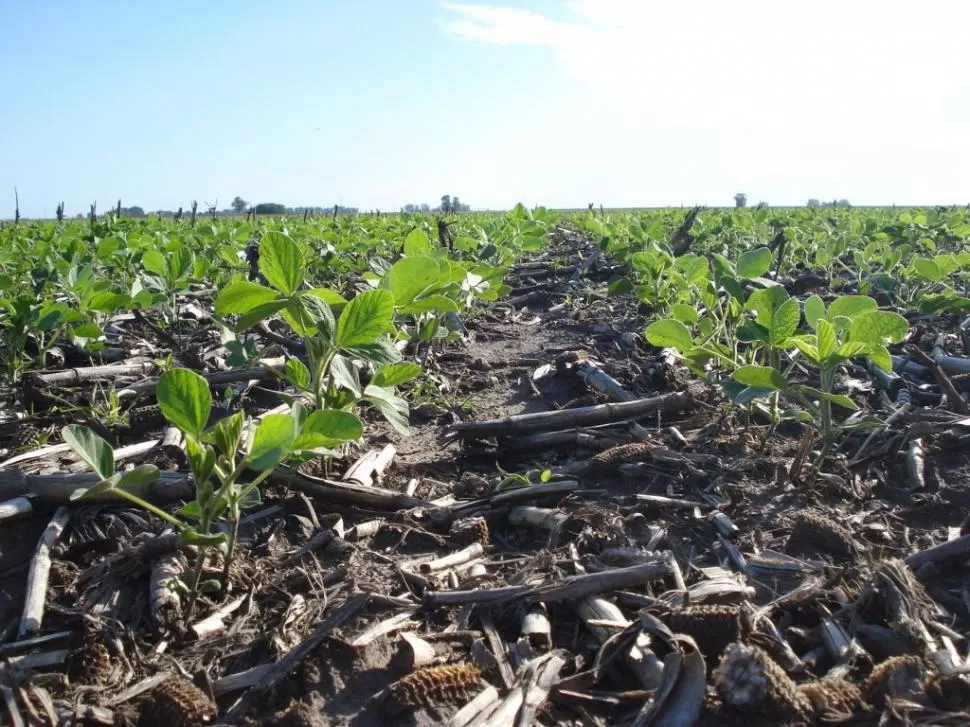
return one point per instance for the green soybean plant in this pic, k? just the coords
(334, 345)
(220, 456)
(851, 327)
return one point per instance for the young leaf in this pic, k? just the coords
(379, 352)
(684, 313)
(826, 339)
(365, 318)
(880, 356)
(96, 453)
(808, 345)
(345, 374)
(272, 442)
(765, 302)
(281, 262)
(839, 399)
(100, 488)
(226, 434)
(431, 303)
(814, 310)
(185, 400)
(393, 407)
(411, 277)
(308, 313)
(669, 333)
(241, 296)
(878, 327)
(784, 321)
(329, 428)
(202, 460)
(143, 474)
(297, 374)
(754, 263)
(261, 312)
(154, 262)
(850, 306)
(396, 374)
(928, 269)
(762, 377)
(416, 243)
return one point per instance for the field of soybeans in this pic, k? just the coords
(660, 467)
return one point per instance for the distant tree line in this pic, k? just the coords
(834, 203)
(448, 204)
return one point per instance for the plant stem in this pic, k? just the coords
(175, 522)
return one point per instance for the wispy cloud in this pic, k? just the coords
(828, 65)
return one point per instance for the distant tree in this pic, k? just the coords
(425, 207)
(455, 204)
(239, 205)
(740, 200)
(270, 208)
(135, 211)
(814, 203)
(843, 203)
(446, 203)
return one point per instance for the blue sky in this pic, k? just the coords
(556, 102)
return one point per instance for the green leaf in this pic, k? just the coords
(92, 449)
(878, 327)
(202, 458)
(154, 262)
(814, 310)
(190, 511)
(297, 374)
(329, 428)
(808, 345)
(839, 399)
(143, 474)
(185, 400)
(108, 302)
(379, 352)
(850, 306)
(431, 303)
(345, 374)
(101, 488)
(751, 393)
(413, 277)
(684, 313)
(880, 356)
(330, 297)
(762, 377)
(826, 339)
(365, 318)
(259, 313)
(754, 263)
(393, 407)
(281, 262)
(192, 537)
(669, 333)
(850, 349)
(416, 243)
(242, 296)
(764, 302)
(272, 442)
(928, 269)
(694, 268)
(309, 313)
(733, 287)
(227, 433)
(396, 374)
(784, 321)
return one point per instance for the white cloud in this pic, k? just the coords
(864, 87)
(743, 64)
